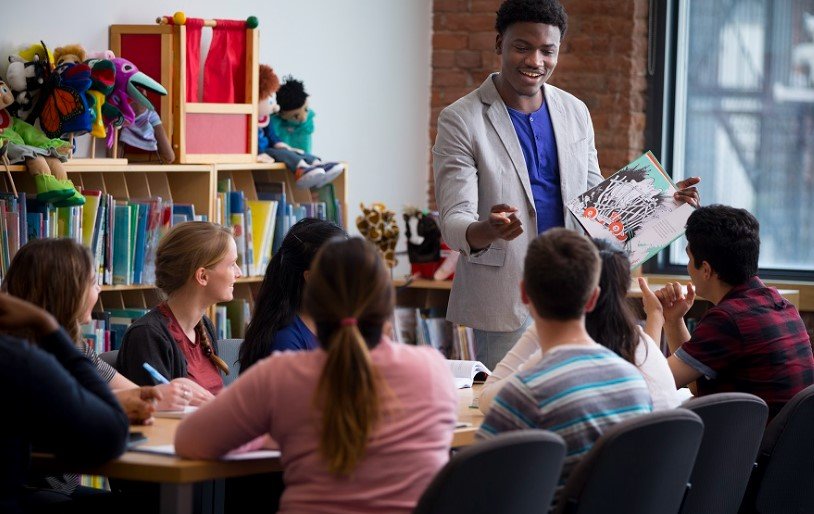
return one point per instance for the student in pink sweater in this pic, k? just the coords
(363, 423)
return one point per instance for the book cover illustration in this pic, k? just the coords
(634, 208)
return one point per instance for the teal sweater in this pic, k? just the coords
(295, 133)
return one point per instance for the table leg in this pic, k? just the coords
(176, 498)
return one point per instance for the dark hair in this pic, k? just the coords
(728, 239)
(350, 296)
(549, 12)
(280, 293)
(291, 94)
(560, 273)
(612, 323)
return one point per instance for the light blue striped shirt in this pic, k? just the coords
(576, 391)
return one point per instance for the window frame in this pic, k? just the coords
(663, 39)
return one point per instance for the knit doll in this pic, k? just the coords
(43, 156)
(309, 170)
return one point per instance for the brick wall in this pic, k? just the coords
(602, 62)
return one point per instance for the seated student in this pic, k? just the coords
(612, 324)
(195, 268)
(279, 322)
(363, 423)
(752, 340)
(58, 403)
(59, 275)
(578, 388)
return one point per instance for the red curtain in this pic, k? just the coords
(194, 27)
(224, 78)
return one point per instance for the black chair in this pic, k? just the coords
(516, 472)
(783, 480)
(109, 357)
(639, 466)
(228, 350)
(733, 428)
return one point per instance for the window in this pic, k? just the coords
(733, 103)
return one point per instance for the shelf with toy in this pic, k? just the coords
(217, 122)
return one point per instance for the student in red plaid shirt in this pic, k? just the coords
(752, 340)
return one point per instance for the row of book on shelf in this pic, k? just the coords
(428, 327)
(123, 234)
(106, 330)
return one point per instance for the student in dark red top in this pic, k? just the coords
(752, 340)
(195, 268)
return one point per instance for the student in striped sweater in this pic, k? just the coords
(579, 387)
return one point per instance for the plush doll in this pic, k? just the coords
(295, 121)
(147, 133)
(42, 156)
(54, 96)
(309, 170)
(429, 256)
(378, 225)
(73, 54)
(126, 91)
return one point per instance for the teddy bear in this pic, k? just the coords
(309, 170)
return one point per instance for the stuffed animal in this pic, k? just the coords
(378, 225)
(126, 89)
(309, 170)
(43, 156)
(73, 54)
(429, 256)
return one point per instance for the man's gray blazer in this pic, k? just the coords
(478, 163)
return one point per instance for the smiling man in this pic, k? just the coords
(508, 156)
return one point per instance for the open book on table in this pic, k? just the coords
(634, 208)
(467, 372)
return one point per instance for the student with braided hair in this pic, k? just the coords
(196, 267)
(363, 423)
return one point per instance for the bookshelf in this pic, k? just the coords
(194, 184)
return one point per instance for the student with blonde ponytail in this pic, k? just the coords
(363, 423)
(195, 269)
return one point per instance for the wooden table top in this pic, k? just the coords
(149, 467)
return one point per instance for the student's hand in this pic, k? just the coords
(176, 395)
(139, 403)
(674, 302)
(687, 192)
(651, 304)
(17, 314)
(199, 395)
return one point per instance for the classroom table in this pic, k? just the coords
(177, 475)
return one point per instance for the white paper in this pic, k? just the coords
(169, 449)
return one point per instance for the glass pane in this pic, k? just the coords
(744, 117)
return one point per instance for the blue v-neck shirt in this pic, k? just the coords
(536, 136)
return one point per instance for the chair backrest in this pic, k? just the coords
(228, 350)
(515, 472)
(639, 466)
(109, 357)
(733, 429)
(783, 480)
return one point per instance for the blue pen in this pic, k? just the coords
(155, 374)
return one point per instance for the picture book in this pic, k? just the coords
(634, 208)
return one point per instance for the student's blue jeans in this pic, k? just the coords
(491, 347)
